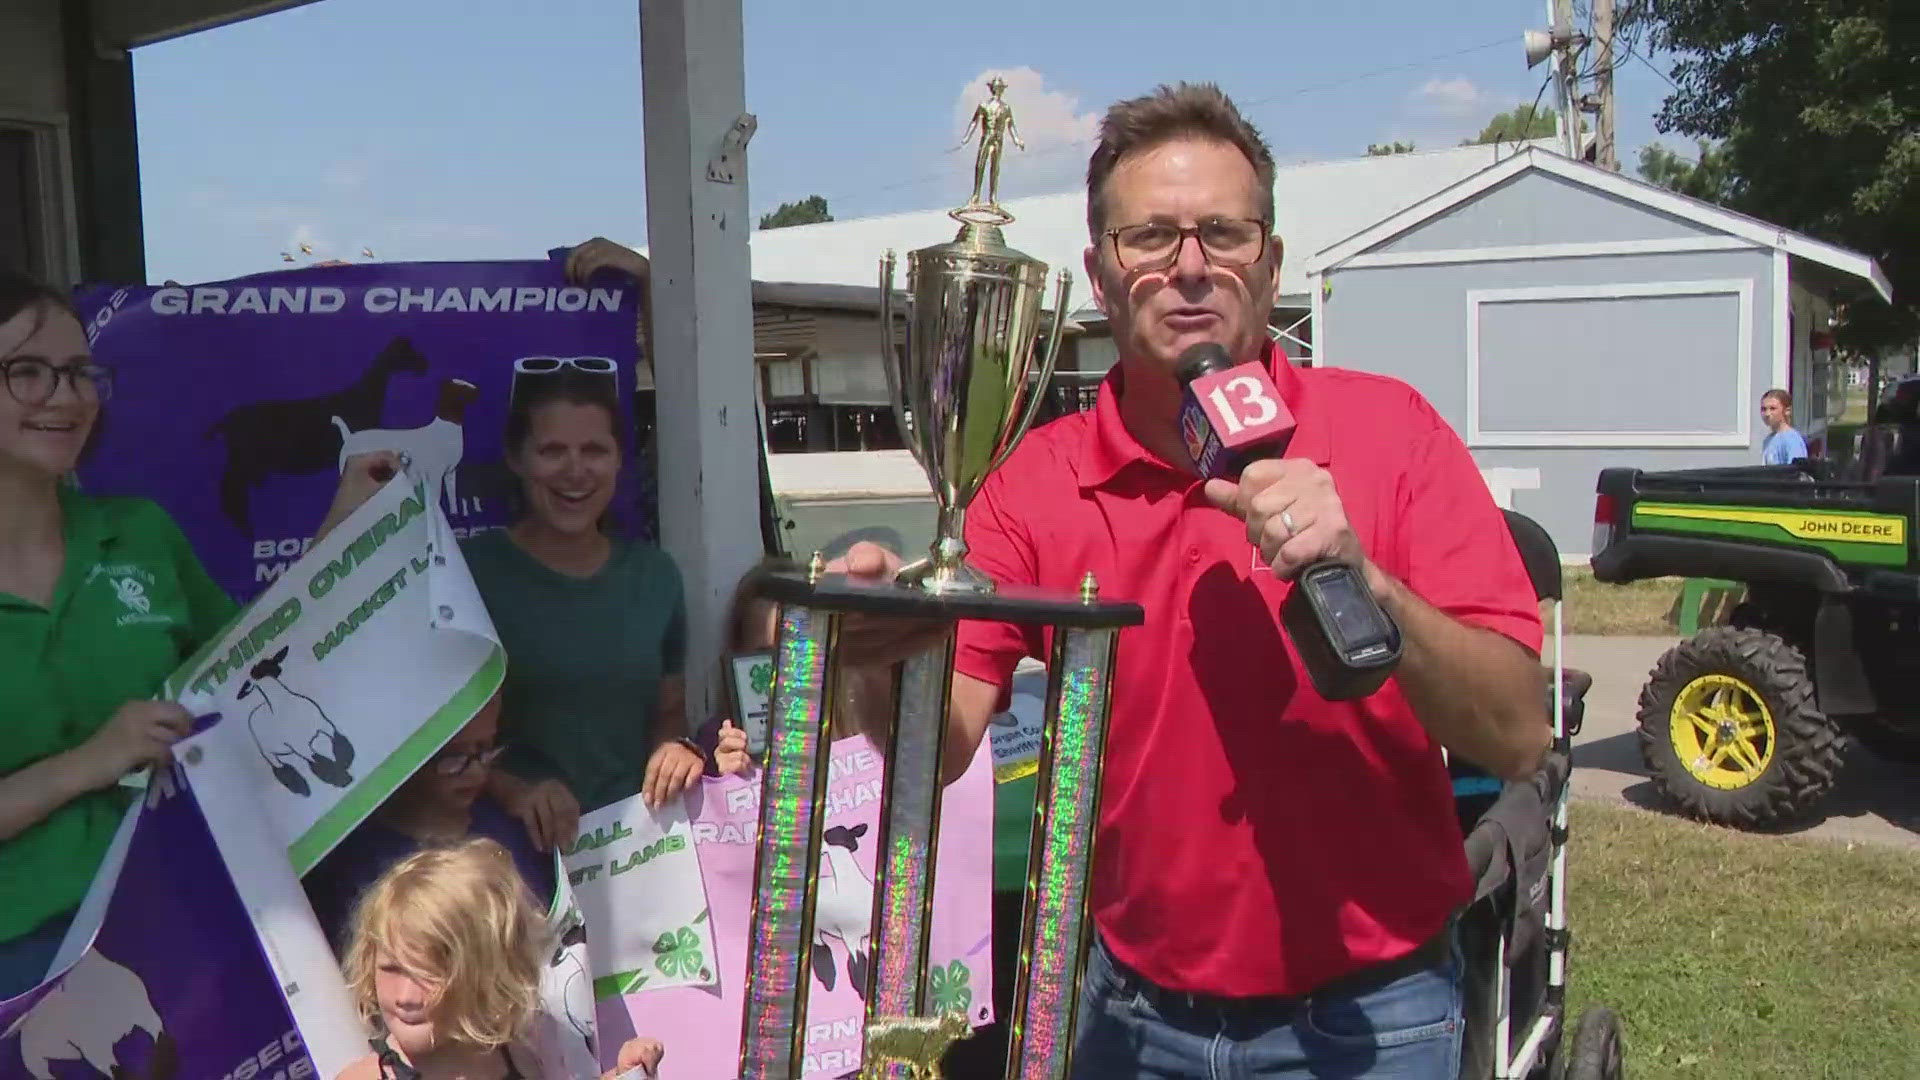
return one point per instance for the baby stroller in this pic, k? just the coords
(1514, 934)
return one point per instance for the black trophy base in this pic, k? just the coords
(1028, 606)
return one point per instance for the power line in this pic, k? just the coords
(1631, 51)
(1083, 143)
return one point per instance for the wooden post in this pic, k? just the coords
(694, 88)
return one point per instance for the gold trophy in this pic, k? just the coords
(964, 391)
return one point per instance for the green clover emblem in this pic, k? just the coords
(949, 988)
(678, 954)
(762, 676)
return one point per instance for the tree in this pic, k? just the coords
(808, 211)
(1389, 149)
(1518, 125)
(1817, 105)
(1709, 178)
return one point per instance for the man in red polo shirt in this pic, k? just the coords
(1276, 874)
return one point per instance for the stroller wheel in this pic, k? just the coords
(1596, 1049)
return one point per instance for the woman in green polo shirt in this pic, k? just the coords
(100, 600)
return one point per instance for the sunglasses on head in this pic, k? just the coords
(533, 366)
(547, 365)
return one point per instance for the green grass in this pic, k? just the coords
(1736, 955)
(1855, 410)
(1642, 607)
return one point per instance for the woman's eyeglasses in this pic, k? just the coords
(455, 762)
(32, 381)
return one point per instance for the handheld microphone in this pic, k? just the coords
(1231, 415)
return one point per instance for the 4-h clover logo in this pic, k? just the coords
(677, 954)
(949, 988)
(762, 676)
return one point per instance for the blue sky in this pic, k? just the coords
(458, 129)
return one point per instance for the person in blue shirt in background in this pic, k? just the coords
(1784, 446)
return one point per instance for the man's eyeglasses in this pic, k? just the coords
(455, 762)
(1226, 242)
(32, 381)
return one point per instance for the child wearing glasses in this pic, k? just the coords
(445, 965)
(445, 801)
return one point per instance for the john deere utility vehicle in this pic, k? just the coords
(1744, 724)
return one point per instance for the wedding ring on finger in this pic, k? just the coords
(1286, 522)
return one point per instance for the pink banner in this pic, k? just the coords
(701, 1028)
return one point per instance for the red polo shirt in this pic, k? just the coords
(1255, 839)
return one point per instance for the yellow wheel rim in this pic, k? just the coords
(1722, 731)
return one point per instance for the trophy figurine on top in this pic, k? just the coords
(964, 389)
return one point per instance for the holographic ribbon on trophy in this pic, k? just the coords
(965, 390)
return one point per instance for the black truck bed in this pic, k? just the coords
(1759, 523)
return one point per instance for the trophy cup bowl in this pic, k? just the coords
(963, 389)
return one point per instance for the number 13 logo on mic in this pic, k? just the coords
(1242, 403)
(1243, 408)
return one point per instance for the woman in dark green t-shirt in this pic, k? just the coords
(100, 600)
(595, 627)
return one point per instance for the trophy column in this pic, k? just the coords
(1056, 928)
(792, 810)
(910, 836)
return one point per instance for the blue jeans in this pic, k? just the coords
(1409, 1029)
(24, 960)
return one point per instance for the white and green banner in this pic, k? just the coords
(352, 670)
(637, 878)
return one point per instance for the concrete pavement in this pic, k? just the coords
(1873, 802)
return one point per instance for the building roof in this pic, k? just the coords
(128, 24)
(1317, 204)
(1753, 230)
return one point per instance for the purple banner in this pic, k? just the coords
(175, 984)
(235, 402)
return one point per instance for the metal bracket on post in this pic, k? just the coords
(725, 166)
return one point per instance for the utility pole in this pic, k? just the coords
(1606, 157)
(1563, 45)
(1561, 14)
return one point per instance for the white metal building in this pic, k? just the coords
(1565, 318)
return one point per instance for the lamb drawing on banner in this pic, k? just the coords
(87, 1020)
(844, 910)
(291, 730)
(430, 454)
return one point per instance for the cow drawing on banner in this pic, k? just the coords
(90, 1020)
(429, 454)
(844, 910)
(291, 731)
(297, 437)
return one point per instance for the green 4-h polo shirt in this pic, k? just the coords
(132, 604)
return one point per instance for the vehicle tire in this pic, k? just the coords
(1731, 733)
(1898, 744)
(1747, 615)
(1595, 1051)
